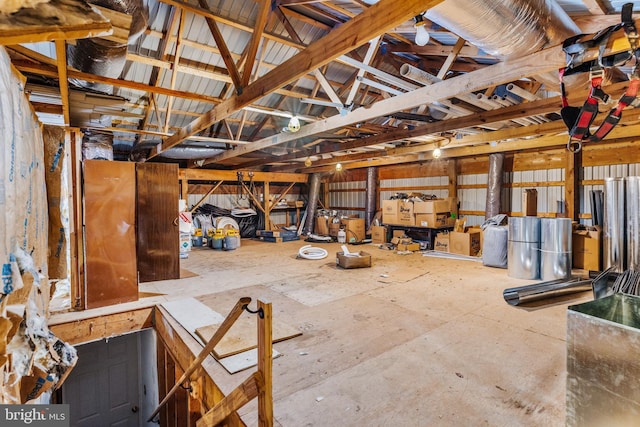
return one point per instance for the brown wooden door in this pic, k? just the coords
(110, 245)
(158, 236)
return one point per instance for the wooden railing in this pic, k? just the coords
(259, 384)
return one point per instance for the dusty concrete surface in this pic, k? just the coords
(411, 341)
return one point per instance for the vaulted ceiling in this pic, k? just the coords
(214, 84)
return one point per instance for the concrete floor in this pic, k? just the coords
(411, 341)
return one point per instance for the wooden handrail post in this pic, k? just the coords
(265, 365)
(233, 315)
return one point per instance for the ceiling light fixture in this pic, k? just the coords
(422, 35)
(307, 161)
(338, 167)
(294, 124)
(437, 152)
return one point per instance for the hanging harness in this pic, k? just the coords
(579, 119)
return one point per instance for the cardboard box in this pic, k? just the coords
(433, 220)
(586, 246)
(378, 234)
(465, 243)
(432, 206)
(397, 212)
(360, 260)
(354, 227)
(413, 246)
(530, 202)
(334, 227)
(442, 242)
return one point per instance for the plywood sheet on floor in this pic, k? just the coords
(192, 314)
(243, 336)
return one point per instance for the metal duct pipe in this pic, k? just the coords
(524, 248)
(312, 204)
(633, 222)
(371, 193)
(544, 290)
(494, 184)
(555, 248)
(614, 233)
(103, 57)
(505, 28)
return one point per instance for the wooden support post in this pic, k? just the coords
(76, 272)
(184, 190)
(452, 187)
(267, 206)
(265, 365)
(233, 315)
(210, 192)
(573, 175)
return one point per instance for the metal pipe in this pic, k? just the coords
(633, 222)
(312, 205)
(524, 248)
(544, 290)
(524, 94)
(371, 193)
(613, 227)
(555, 248)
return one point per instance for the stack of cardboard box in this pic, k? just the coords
(435, 213)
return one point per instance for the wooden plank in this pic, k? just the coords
(374, 21)
(215, 175)
(109, 218)
(204, 198)
(103, 326)
(157, 208)
(242, 335)
(121, 23)
(56, 20)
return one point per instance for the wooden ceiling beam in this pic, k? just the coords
(224, 51)
(364, 27)
(45, 70)
(254, 42)
(206, 13)
(512, 69)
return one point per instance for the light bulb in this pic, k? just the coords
(422, 35)
(338, 167)
(307, 161)
(437, 153)
(294, 124)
